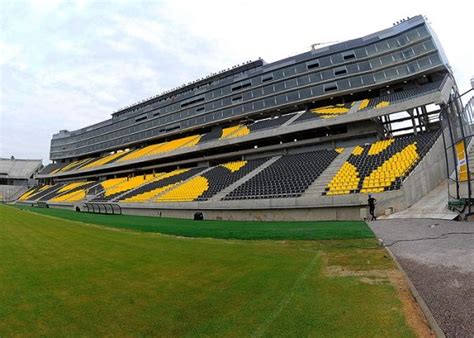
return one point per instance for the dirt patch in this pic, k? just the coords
(413, 313)
(415, 317)
(342, 271)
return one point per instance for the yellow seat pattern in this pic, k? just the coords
(26, 194)
(357, 150)
(108, 184)
(70, 186)
(234, 166)
(331, 111)
(184, 142)
(186, 192)
(346, 179)
(235, 131)
(32, 192)
(226, 132)
(101, 161)
(134, 154)
(72, 165)
(155, 192)
(382, 104)
(379, 146)
(131, 183)
(339, 150)
(363, 104)
(63, 194)
(396, 166)
(73, 196)
(244, 130)
(146, 196)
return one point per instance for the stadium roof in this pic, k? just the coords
(18, 168)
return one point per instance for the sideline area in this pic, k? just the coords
(219, 229)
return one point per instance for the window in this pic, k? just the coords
(340, 71)
(266, 78)
(141, 118)
(192, 101)
(237, 99)
(199, 109)
(312, 64)
(407, 53)
(348, 56)
(330, 87)
(173, 128)
(241, 85)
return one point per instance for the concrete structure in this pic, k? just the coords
(16, 176)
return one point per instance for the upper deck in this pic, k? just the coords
(393, 55)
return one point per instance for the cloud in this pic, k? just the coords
(68, 64)
(9, 53)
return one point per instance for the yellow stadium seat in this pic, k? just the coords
(101, 161)
(235, 131)
(186, 192)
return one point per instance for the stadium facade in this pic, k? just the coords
(16, 176)
(305, 137)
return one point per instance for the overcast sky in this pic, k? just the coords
(68, 64)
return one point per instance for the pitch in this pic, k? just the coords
(100, 276)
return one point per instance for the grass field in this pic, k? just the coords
(64, 278)
(219, 229)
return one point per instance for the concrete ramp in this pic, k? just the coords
(433, 205)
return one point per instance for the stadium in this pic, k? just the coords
(269, 166)
(301, 138)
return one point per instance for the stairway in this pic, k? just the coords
(319, 186)
(290, 121)
(221, 194)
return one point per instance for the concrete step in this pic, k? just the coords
(318, 186)
(290, 121)
(355, 107)
(224, 192)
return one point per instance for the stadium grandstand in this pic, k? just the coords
(306, 137)
(16, 177)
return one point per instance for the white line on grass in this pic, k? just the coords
(287, 299)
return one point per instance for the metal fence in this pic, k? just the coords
(458, 131)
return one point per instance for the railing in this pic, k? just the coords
(458, 121)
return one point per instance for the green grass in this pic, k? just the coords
(64, 278)
(219, 229)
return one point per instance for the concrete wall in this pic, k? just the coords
(11, 192)
(303, 214)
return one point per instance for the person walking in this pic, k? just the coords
(372, 201)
